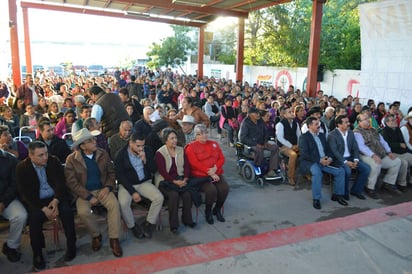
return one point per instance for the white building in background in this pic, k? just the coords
(386, 37)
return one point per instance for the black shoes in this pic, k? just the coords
(70, 255)
(209, 217)
(358, 195)
(391, 189)
(39, 263)
(137, 231)
(339, 199)
(191, 225)
(148, 229)
(11, 253)
(403, 188)
(218, 213)
(316, 204)
(173, 230)
(371, 193)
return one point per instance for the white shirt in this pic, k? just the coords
(280, 134)
(97, 112)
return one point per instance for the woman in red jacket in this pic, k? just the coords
(206, 160)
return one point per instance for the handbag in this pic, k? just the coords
(233, 124)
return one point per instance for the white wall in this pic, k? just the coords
(339, 83)
(386, 36)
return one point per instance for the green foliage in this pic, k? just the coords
(223, 46)
(280, 35)
(173, 50)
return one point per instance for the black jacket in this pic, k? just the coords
(252, 134)
(8, 190)
(125, 173)
(28, 184)
(58, 147)
(394, 138)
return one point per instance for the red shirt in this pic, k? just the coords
(204, 156)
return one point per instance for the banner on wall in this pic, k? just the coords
(264, 80)
(216, 73)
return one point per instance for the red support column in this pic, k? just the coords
(201, 52)
(240, 49)
(314, 47)
(29, 66)
(14, 43)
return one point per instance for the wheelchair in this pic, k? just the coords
(247, 168)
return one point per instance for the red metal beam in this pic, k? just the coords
(107, 14)
(167, 4)
(14, 43)
(270, 4)
(201, 52)
(314, 47)
(27, 49)
(240, 49)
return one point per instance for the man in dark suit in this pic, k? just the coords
(10, 207)
(42, 187)
(55, 146)
(315, 158)
(345, 153)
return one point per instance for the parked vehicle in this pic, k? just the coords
(96, 70)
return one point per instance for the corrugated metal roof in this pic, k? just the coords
(180, 12)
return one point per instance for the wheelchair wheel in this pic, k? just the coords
(248, 172)
(260, 182)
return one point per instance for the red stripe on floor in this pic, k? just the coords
(202, 253)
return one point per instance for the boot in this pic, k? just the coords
(208, 214)
(217, 211)
(116, 248)
(148, 229)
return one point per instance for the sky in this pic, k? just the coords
(83, 39)
(58, 37)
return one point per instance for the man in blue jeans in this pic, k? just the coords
(345, 153)
(316, 158)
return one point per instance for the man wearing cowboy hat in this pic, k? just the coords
(91, 177)
(187, 124)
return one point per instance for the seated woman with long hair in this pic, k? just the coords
(172, 179)
(206, 161)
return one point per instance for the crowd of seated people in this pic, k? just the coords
(147, 131)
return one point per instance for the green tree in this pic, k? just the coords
(173, 50)
(223, 46)
(282, 38)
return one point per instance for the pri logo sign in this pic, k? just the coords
(283, 80)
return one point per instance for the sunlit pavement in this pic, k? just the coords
(268, 229)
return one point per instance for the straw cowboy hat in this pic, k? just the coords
(187, 119)
(83, 135)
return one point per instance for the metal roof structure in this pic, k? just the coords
(179, 12)
(195, 13)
